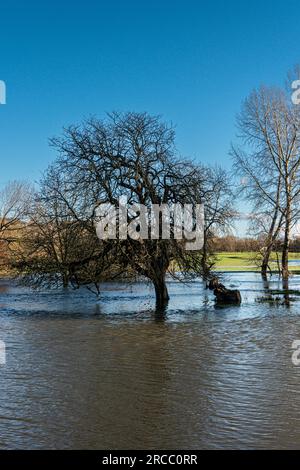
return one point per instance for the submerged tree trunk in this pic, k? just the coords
(285, 287)
(65, 279)
(286, 243)
(272, 234)
(205, 257)
(265, 261)
(161, 291)
(157, 273)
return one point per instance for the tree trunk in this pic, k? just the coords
(204, 259)
(272, 236)
(265, 261)
(285, 248)
(161, 290)
(285, 287)
(65, 278)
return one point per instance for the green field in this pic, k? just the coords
(235, 261)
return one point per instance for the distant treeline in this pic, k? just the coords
(231, 243)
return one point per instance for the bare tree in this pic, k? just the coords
(262, 188)
(15, 199)
(219, 212)
(56, 249)
(269, 127)
(134, 155)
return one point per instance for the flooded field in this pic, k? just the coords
(112, 373)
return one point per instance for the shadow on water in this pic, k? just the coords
(277, 291)
(286, 296)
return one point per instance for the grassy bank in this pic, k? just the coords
(235, 261)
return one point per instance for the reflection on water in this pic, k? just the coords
(294, 262)
(82, 373)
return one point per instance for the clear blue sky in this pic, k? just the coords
(191, 61)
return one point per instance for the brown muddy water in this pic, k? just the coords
(111, 374)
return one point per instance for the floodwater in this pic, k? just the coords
(83, 373)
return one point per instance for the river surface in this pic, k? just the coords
(82, 373)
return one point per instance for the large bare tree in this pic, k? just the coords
(133, 155)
